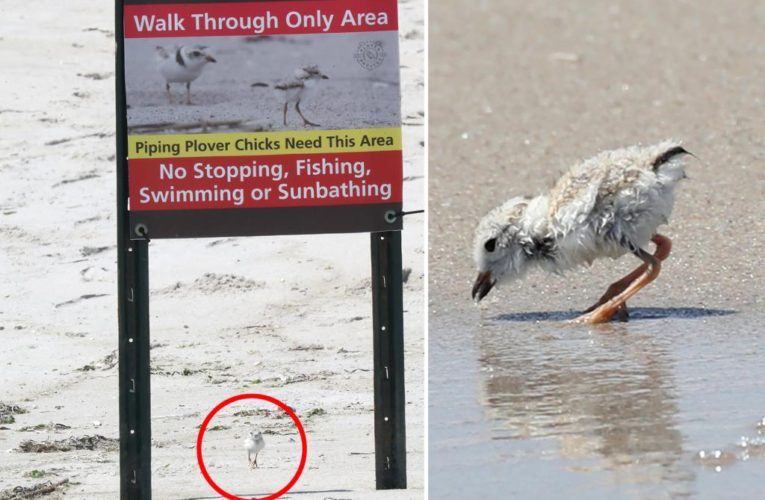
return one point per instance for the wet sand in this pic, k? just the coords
(522, 404)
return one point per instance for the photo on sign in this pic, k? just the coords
(262, 83)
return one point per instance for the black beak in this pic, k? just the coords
(483, 285)
(210, 58)
(324, 77)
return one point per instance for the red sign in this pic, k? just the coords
(259, 18)
(265, 181)
(262, 117)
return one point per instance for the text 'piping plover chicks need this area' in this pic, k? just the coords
(607, 206)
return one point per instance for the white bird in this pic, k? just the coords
(302, 86)
(254, 444)
(183, 65)
(607, 206)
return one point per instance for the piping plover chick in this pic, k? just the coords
(254, 444)
(183, 65)
(606, 206)
(302, 86)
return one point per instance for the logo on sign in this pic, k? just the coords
(370, 54)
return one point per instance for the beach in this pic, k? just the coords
(287, 316)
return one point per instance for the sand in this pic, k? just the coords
(521, 403)
(286, 316)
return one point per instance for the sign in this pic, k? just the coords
(253, 118)
(257, 118)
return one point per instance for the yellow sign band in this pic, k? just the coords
(264, 143)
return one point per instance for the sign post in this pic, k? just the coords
(133, 317)
(249, 118)
(388, 324)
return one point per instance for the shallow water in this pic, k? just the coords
(542, 409)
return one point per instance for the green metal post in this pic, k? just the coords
(388, 339)
(133, 316)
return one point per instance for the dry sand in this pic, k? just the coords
(286, 316)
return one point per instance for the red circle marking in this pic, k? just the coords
(223, 404)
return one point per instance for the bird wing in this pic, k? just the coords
(294, 84)
(574, 196)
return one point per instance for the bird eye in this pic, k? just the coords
(196, 53)
(490, 245)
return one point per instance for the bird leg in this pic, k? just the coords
(285, 113)
(305, 121)
(169, 95)
(256, 460)
(607, 310)
(249, 458)
(663, 247)
(188, 92)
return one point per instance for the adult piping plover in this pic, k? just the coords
(183, 65)
(254, 444)
(302, 86)
(606, 206)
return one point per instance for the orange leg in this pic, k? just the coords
(663, 247)
(614, 301)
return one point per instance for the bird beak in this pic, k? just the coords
(210, 59)
(483, 284)
(324, 77)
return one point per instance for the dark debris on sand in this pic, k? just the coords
(95, 442)
(36, 491)
(7, 412)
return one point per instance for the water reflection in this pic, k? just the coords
(636, 313)
(605, 397)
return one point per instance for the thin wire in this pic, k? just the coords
(402, 213)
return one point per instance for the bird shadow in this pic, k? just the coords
(637, 313)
